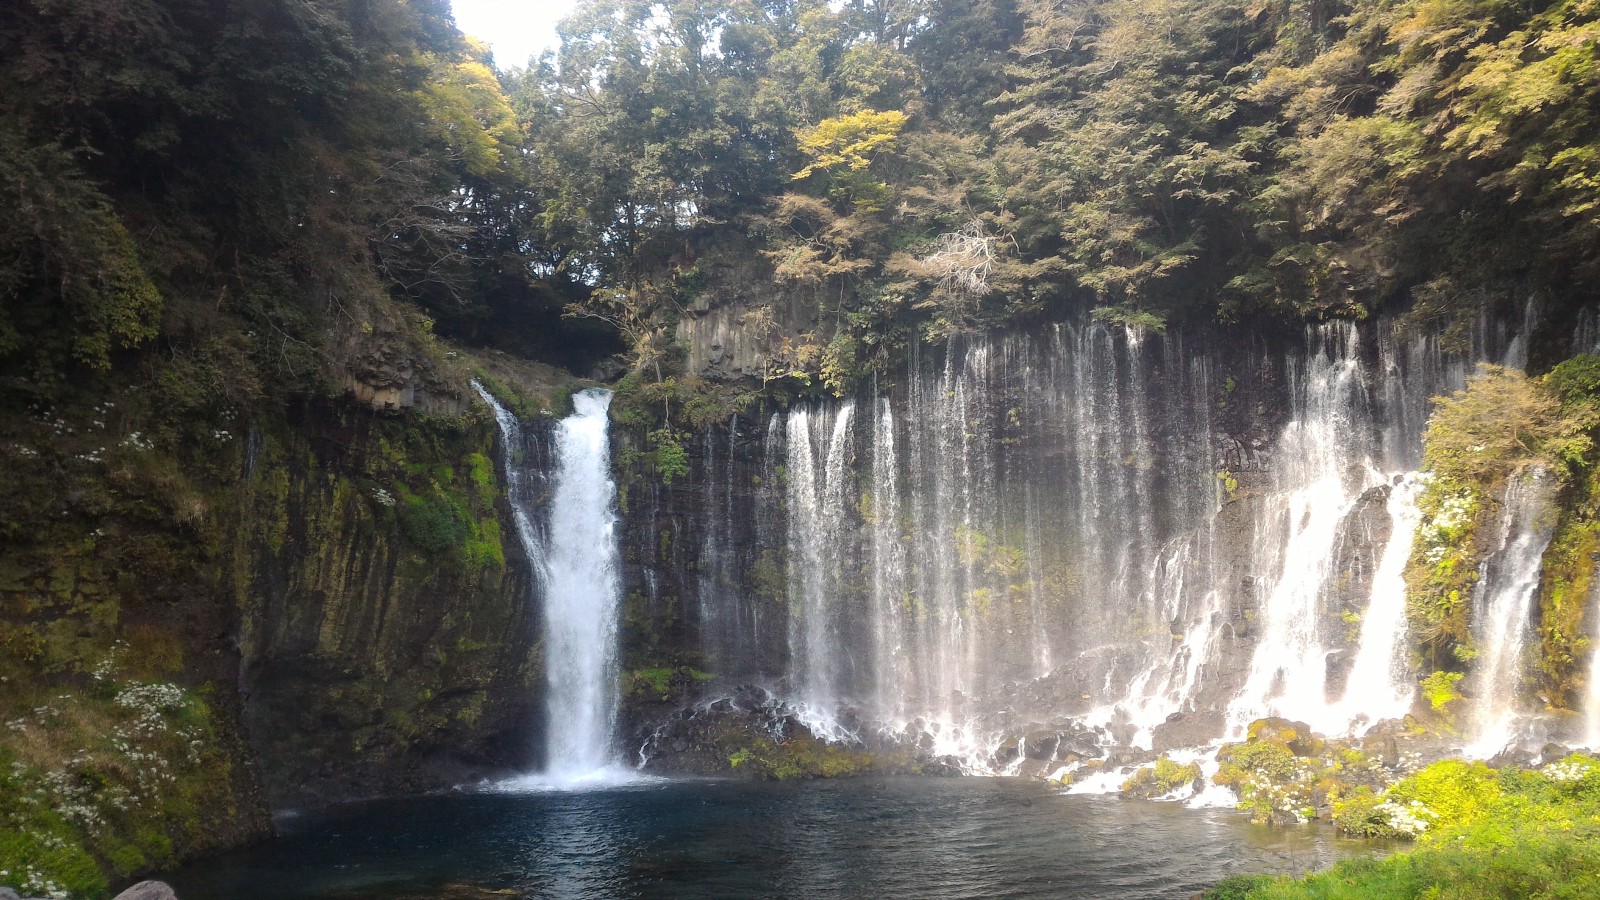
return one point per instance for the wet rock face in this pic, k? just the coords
(373, 664)
(751, 733)
(1182, 730)
(1362, 537)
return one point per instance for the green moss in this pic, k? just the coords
(1162, 778)
(660, 682)
(483, 477)
(802, 756)
(1566, 586)
(485, 547)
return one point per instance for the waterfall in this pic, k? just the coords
(819, 490)
(575, 563)
(1502, 605)
(1381, 685)
(1084, 534)
(892, 621)
(1322, 471)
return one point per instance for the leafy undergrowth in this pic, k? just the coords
(1481, 833)
(107, 782)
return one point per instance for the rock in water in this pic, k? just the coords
(148, 890)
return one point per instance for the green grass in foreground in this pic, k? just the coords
(1509, 834)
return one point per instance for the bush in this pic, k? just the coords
(432, 523)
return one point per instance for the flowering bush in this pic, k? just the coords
(100, 783)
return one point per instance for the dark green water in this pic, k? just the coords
(890, 838)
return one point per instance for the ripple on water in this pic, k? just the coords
(933, 838)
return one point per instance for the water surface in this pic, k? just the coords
(889, 838)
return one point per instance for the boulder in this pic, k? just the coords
(1551, 752)
(1041, 745)
(1187, 729)
(148, 890)
(1297, 736)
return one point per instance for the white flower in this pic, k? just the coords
(1566, 770)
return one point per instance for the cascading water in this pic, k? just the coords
(1503, 607)
(576, 563)
(1381, 685)
(1085, 536)
(822, 672)
(1316, 489)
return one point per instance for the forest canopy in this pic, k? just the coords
(261, 186)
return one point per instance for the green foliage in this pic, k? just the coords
(1478, 439)
(670, 457)
(843, 148)
(1454, 792)
(840, 368)
(432, 522)
(1273, 784)
(1479, 435)
(1131, 318)
(449, 517)
(1483, 834)
(1440, 689)
(1162, 778)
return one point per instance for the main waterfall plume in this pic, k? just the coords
(575, 561)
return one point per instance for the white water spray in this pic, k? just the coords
(1288, 670)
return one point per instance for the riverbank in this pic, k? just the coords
(1479, 832)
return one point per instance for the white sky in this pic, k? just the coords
(515, 29)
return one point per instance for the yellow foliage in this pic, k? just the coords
(852, 141)
(470, 114)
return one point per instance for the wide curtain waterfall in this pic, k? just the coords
(1085, 527)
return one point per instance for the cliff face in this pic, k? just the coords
(276, 607)
(386, 637)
